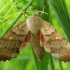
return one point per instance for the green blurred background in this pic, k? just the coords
(58, 15)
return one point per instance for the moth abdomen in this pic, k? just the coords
(39, 51)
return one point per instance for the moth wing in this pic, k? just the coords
(54, 43)
(14, 41)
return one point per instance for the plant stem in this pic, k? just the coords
(35, 58)
(60, 65)
(51, 63)
(29, 3)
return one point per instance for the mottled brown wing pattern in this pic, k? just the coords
(54, 43)
(13, 41)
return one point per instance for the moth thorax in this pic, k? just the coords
(34, 23)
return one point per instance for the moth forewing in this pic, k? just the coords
(55, 43)
(12, 41)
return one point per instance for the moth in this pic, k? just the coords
(41, 34)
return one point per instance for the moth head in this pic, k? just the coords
(34, 23)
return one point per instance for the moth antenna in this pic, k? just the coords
(42, 12)
(43, 9)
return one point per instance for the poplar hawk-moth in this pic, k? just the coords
(41, 34)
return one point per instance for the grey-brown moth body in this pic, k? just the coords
(41, 34)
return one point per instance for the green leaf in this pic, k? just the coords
(61, 15)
